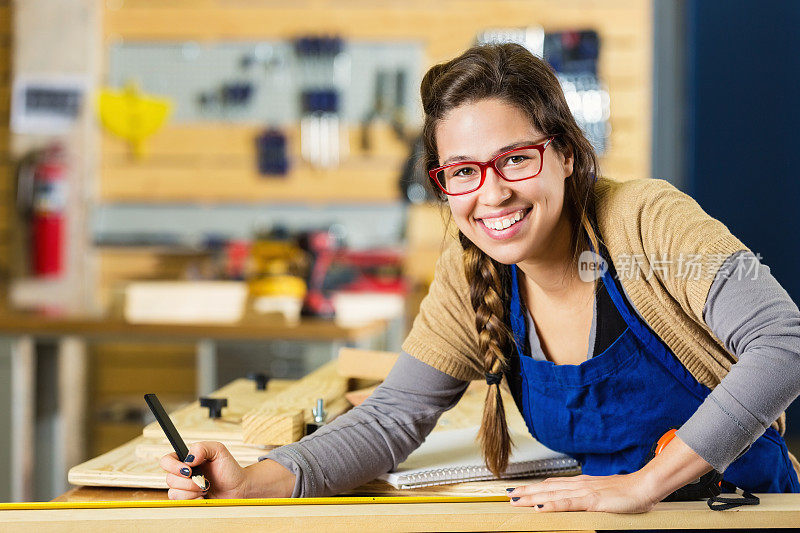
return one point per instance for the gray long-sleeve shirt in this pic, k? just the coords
(746, 308)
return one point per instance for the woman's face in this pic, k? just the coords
(479, 131)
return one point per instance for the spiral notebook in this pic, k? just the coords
(454, 456)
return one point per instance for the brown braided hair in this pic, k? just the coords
(511, 73)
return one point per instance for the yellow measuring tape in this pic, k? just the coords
(338, 500)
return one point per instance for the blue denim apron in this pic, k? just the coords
(608, 411)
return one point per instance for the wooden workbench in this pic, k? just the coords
(775, 511)
(347, 512)
(252, 327)
(22, 330)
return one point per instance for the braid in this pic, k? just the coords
(486, 279)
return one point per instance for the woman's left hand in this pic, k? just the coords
(614, 494)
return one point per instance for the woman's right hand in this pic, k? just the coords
(224, 477)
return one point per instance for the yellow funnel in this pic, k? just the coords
(132, 115)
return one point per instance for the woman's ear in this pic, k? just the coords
(568, 161)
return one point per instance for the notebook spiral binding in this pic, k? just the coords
(441, 476)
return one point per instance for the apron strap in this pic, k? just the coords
(519, 323)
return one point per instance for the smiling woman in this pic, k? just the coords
(601, 366)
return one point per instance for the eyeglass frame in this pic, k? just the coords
(541, 147)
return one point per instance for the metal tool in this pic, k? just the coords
(531, 37)
(574, 56)
(320, 416)
(394, 113)
(319, 128)
(271, 153)
(319, 412)
(321, 143)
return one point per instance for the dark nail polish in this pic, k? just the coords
(511, 489)
(186, 472)
(540, 505)
(189, 458)
(208, 486)
(514, 499)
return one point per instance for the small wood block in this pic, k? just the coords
(357, 397)
(365, 364)
(277, 426)
(276, 422)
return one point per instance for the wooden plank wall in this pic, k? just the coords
(6, 171)
(221, 155)
(119, 373)
(214, 162)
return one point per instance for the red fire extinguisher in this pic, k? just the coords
(44, 182)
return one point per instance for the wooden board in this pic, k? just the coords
(496, 487)
(277, 421)
(119, 468)
(192, 161)
(365, 364)
(193, 423)
(150, 450)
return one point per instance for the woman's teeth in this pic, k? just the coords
(503, 223)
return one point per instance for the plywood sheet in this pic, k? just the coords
(150, 450)
(119, 468)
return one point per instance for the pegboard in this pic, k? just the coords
(185, 72)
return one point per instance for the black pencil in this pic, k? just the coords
(172, 434)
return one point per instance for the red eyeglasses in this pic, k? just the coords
(465, 177)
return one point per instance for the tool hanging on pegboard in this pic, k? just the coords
(319, 60)
(388, 105)
(132, 115)
(573, 55)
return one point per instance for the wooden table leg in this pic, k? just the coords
(206, 367)
(23, 417)
(70, 445)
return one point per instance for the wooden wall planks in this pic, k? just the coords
(624, 27)
(6, 170)
(118, 372)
